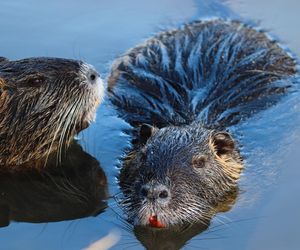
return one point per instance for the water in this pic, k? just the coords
(265, 215)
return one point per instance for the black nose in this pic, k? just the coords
(155, 192)
(92, 76)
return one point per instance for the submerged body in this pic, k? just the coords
(181, 90)
(44, 102)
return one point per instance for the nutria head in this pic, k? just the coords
(44, 102)
(178, 175)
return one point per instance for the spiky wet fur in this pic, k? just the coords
(166, 159)
(44, 103)
(191, 83)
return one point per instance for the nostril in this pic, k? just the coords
(93, 77)
(163, 194)
(154, 192)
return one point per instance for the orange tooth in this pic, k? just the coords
(154, 222)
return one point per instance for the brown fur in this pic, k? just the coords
(44, 102)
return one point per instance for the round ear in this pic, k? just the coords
(146, 132)
(223, 143)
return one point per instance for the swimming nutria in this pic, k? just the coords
(44, 102)
(181, 90)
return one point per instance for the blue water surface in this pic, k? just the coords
(266, 214)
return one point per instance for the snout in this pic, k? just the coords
(92, 81)
(90, 74)
(93, 76)
(157, 196)
(155, 192)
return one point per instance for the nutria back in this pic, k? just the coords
(215, 72)
(44, 102)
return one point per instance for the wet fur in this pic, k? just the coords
(194, 193)
(191, 84)
(215, 72)
(44, 102)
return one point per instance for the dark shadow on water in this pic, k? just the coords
(75, 188)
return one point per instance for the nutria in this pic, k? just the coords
(44, 102)
(183, 90)
(75, 187)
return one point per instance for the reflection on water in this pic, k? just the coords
(98, 31)
(75, 188)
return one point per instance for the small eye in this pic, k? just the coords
(35, 81)
(199, 161)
